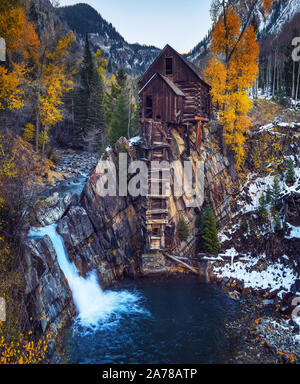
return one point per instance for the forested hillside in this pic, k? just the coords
(69, 98)
(278, 74)
(83, 19)
(53, 93)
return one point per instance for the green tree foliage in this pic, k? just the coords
(275, 193)
(245, 225)
(95, 124)
(210, 237)
(268, 195)
(277, 222)
(262, 210)
(119, 120)
(182, 229)
(116, 87)
(290, 173)
(89, 105)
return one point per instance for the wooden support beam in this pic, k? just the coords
(182, 263)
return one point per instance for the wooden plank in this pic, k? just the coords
(181, 262)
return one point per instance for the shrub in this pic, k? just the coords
(182, 229)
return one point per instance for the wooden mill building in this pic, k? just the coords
(173, 94)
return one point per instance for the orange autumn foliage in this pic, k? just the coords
(11, 95)
(22, 45)
(230, 81)
(19, 33)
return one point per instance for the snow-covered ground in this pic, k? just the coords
(248, 269)
(275, 277)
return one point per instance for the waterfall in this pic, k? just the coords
(94, 306)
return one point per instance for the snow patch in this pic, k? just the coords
(275, 277)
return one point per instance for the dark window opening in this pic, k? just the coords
(149, 107)
(158, 117)
(169, 66)
(156, 231)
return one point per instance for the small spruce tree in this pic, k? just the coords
(277, 222)
(210, 237)
(119, 121)
(245, 224)
(275, 193)
(268, 195)
(182, 229)
(262, 210)
(290, 173)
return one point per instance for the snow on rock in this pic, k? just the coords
(135, 140)
(274, 277)
(295, 232)
(232, 253)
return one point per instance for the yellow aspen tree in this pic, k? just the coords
(52, 81)
(101, 64)
(232, 70)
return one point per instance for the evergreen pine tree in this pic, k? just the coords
(113, 94)
(277, 222)
(275, 193)
(245, 224)
(182, 229)
(119, 121)
(95, 124)
(210, 237)
(121, 77)
(262, 210)
(109, 67)
(290, 173)
(268, 195)
(83, 95)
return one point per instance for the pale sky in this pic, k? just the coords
(180, 23)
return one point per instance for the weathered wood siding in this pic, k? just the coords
(165, 103)
(181, 72)
(196, 101)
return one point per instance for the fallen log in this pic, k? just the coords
(182, 262)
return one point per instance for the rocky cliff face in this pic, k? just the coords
(105, 233)
(48, 296)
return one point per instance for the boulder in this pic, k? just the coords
(76, 227)
(53, 209)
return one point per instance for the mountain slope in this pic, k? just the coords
(134, 58)
(282, 12)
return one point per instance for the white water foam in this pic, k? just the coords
(95, 307)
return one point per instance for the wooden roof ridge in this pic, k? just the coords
(169, 82)
(196, 70)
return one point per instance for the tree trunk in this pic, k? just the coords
(297, 88)
(293, 80)
(37, 122)
(274, 75)
(44, 141)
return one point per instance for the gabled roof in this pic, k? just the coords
(169, 82)
(196, 70)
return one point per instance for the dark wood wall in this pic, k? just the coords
(165, 103)
(181, 72)
(197, 100)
